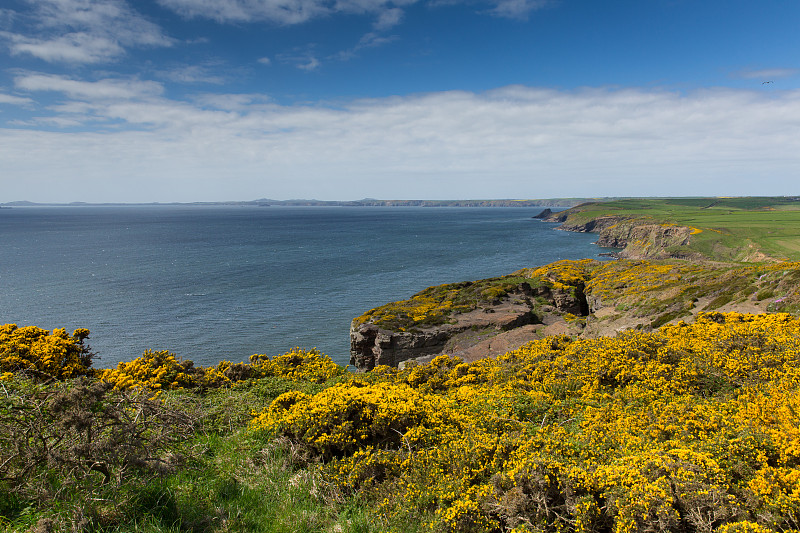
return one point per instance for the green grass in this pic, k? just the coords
(230, 479)
(769, 225)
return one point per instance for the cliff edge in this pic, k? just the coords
(586, 299)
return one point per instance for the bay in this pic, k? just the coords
(220, 282)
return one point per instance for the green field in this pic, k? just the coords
(769, 225)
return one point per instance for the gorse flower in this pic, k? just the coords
(43, 354)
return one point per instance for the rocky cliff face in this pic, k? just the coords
(637, 238)
(595, 225)
(647, 241)
(371, 345)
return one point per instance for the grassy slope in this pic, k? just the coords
(769, 224)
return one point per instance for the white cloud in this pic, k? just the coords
(14, 100)
(264, 60)
(373, 39)
(310, 63)
(387, 13)
(280, 11)
(107, 89)
(83, 31)
(511, 142)
(303, 58)
(70, 48)
(232, 102)
(389, 18)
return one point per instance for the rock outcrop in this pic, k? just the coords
(372, 345)
(647, 241)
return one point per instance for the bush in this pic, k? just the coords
(44, 355)
(348, 416)
(74, 439)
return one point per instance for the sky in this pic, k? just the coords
(219, 100)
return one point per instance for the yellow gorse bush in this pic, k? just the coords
(162, 370)
(348, 416)
(44, 354)
(694, 427)
(296, 365)
(564, 274)
(156, 370)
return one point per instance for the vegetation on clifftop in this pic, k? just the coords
(436, 304)
(663, 290)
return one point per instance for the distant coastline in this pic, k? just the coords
(366, 202)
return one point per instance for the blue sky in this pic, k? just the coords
(203, 100)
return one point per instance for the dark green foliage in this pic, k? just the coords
(82, 445)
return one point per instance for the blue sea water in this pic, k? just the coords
(211, 282)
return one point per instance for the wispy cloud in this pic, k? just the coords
(103, 90)
(768, 73)
(387, 14)
(369, 40)
(510, 142)
(71, 48)
(232, 102)
(279, 11)
(517, 9)
(389, 18)
(192, 74)
(14, 100)
(304, 58)
(81, 31)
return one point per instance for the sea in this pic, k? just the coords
(212, 283)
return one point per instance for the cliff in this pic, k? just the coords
(585, 299)
(489, 327)
(651, 285)
(637, 238)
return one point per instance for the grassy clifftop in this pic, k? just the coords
(727, 229)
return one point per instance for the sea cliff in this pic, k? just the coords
(489, 327)
(635, 237)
